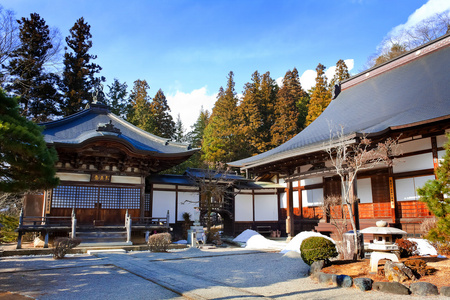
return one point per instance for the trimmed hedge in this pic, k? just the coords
(317, 248)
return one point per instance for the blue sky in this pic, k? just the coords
(187, 48)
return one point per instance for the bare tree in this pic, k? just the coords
(349, 156)
(9, 36)
(216, 186)
(11, 203)
(334, 207)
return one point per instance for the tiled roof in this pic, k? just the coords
(406, 94)
(88, 124)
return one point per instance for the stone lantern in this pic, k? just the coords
(383, 243)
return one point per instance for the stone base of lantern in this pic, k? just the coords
(377, 256)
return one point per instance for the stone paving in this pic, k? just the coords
(192, 274)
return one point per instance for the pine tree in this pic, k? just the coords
(117, 98)
(140, 113)
(286, 112)
(179, 131)
(164, 124)
(221, 139)
(436, 194)
(341, 73)
(320, 96)
(26, 163)
(36, 88)
(256, 114)
(196, 135)
(79, 72)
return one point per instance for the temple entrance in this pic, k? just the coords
(96, 205)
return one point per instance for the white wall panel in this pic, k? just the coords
(266, 208)
(413, 163)
(163, 201)
(186, 203)
(295, 199)
(243, 208)
(406, 187)
(417, 145)
(310, 181)
(364, 190)
(312, 197)
(283, 200)
(441, 140)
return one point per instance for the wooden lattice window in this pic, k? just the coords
(87, 197)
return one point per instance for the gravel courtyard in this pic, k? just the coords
(190, 274)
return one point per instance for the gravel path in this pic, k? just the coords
(192, 274)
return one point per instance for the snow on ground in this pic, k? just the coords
(245, 235)
(424, 247)
(295, 243)
(260, 242)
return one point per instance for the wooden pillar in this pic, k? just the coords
(253, 209)
(176, 203)
(392, 197)
(290, 211)
(434, 150)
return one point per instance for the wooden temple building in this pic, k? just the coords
(407, 98)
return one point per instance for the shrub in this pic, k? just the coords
(406, 247)
(62, 244)
(418, 267)
(159, 242)
(443, 248)
(7, 232)
(317, 248)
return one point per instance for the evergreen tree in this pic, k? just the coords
(179, 131)
(341, 73)
(436, 194)
(196, 135)
(286, 112)
(36, 89)
(79, 72)
(26, 163)
(221, 139)
(164, 124)
(256, 113)
(320, 96)
(117, 98)
(140, 113)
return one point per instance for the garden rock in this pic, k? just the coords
(327, 278)
(391, 288)
(364, 284)
(343, 281)
(445, 291)
(423, 288)
(397, 272)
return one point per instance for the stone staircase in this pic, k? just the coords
(104, 236)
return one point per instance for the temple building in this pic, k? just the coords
(407, 99)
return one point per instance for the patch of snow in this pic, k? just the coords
(180, 242)
(245, 235)
(424, 247)
(295, 243)
(257, 241)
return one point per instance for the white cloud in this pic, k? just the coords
(188, 105)
(427, 10)
(308, 78)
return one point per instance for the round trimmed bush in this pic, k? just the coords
(317, 248)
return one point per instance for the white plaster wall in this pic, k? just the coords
(405, 188)
(441, 140)
(417, 145)
(310, 181)
(364, 190)
(283, 200)
(413, 163)
(312, 197)
(163, 201)
(266, 208)
(295, 199)
(243, 208)
(186, 203)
